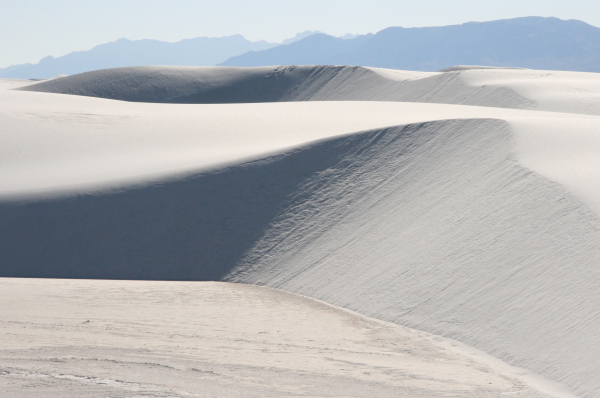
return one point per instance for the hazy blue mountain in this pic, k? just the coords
(530, 42)
(201, 51)
(300, 36)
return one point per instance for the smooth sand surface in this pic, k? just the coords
(68, 338)
(478, 223)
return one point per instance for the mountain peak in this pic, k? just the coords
(527, 42)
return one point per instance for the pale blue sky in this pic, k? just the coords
(32, 29)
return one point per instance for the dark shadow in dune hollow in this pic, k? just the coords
(197, 228)
(183, 85)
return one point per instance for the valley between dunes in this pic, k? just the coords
(464, 204)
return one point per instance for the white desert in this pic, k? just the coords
(289, 231)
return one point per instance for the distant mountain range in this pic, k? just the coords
(201, 51)
(530, 42)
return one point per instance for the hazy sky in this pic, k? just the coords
(32, 29)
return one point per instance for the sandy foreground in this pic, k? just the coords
(81, 338)
(465, 204)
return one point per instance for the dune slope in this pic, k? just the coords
(192, 229)
(477, 223)
(433, 225)
(180, 84)
(283, 83)
(438, 227)
(481, 86)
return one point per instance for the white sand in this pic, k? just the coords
(56, 143)
(556, 91)
(575, 92)
(480, 223)
(438, 227)
(67, 338)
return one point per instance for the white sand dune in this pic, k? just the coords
(557, 91)
(438, 227)
(574, 92)
(181, 84)
(479, 223)
(83, 338)
(471, 67)
(53, 144)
